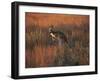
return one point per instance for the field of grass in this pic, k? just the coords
(41, 51)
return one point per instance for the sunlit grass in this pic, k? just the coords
(41, 51)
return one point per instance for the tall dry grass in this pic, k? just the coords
(41, 51)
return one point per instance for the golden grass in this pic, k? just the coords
(42, 52)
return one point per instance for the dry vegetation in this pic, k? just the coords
(41, 51)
